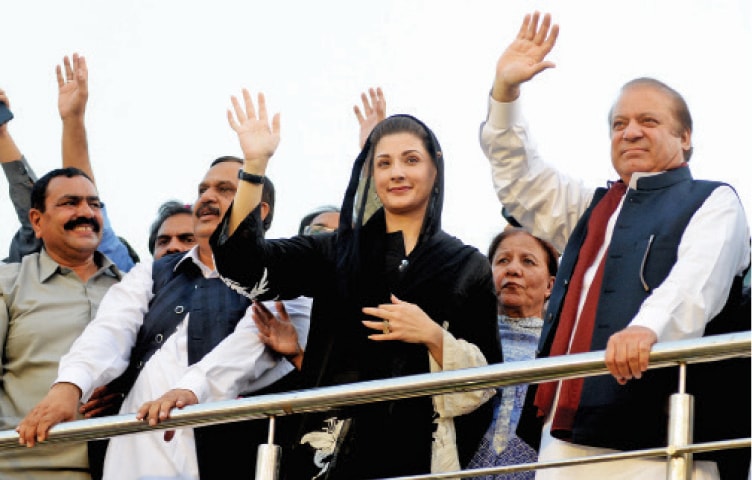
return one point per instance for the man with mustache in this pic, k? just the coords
(173, 328)
(46, 300)
(73, 94)
(655, 256)
(54, 278)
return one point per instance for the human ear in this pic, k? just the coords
(264, 210)
(549, 286)
(35, 218)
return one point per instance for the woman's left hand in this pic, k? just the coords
(406, 322)
(402, 321)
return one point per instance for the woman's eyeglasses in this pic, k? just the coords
(317, 229)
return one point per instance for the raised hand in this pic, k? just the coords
(374, 111)
(4, 126)
(258, 138)
(278, 332)
(73, 86)
(524, 57)
(4, 98)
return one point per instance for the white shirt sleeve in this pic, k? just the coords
(715, 243)
(103, 350)
(459, 354)
(544, 200)
(241, 362)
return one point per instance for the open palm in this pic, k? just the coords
(258, 138)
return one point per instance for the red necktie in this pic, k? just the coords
(569, 394)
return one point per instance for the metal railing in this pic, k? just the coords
(663, 355)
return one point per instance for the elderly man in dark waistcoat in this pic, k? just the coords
(653, 257)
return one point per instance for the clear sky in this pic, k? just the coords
(162, 72)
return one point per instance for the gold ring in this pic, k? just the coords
(387, 330)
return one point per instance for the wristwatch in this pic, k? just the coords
(250, 177)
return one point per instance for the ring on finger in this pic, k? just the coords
(387, 329)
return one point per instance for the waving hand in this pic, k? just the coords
(525, 57)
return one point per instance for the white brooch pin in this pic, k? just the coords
(260, 288)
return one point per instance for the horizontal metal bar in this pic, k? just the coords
(324, 398)
(606, 457)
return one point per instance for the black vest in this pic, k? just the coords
(641, 254)
(214, 311)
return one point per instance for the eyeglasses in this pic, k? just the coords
(317, 229)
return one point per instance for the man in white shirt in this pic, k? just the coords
(660, 264)
(210, 349)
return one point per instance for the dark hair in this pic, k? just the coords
(226, 158)
(681, 109)
(401, 124)
(306, 220)
(268, 196)
(267, 193)
(39, 190)
(168, 209)
(552, 262)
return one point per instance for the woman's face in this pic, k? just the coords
(520, 272)
(404, 174)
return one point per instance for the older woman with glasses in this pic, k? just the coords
(322, 220)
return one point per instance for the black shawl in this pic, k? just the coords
(348, 270)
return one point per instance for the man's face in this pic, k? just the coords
(645, 134)
(215, 194)
(174, 235)
(71, 225)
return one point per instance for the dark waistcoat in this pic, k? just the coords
(214, 311)
(642, 252)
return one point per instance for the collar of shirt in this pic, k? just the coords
(193, 255)
(638, 175)
(48, 267)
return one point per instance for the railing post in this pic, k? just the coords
(267, 457)
(680, 430)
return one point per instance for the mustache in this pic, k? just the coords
(205, 209)
(82, 221)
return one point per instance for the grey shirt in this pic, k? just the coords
(43, 308)
(21, 179)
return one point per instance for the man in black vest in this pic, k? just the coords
(174, 326)
(651, 258)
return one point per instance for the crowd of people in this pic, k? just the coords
(374, 289)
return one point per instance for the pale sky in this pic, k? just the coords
(162, 73)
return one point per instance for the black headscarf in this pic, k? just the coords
(361, 204)
(361, 265)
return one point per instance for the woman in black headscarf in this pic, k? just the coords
(392, 293)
